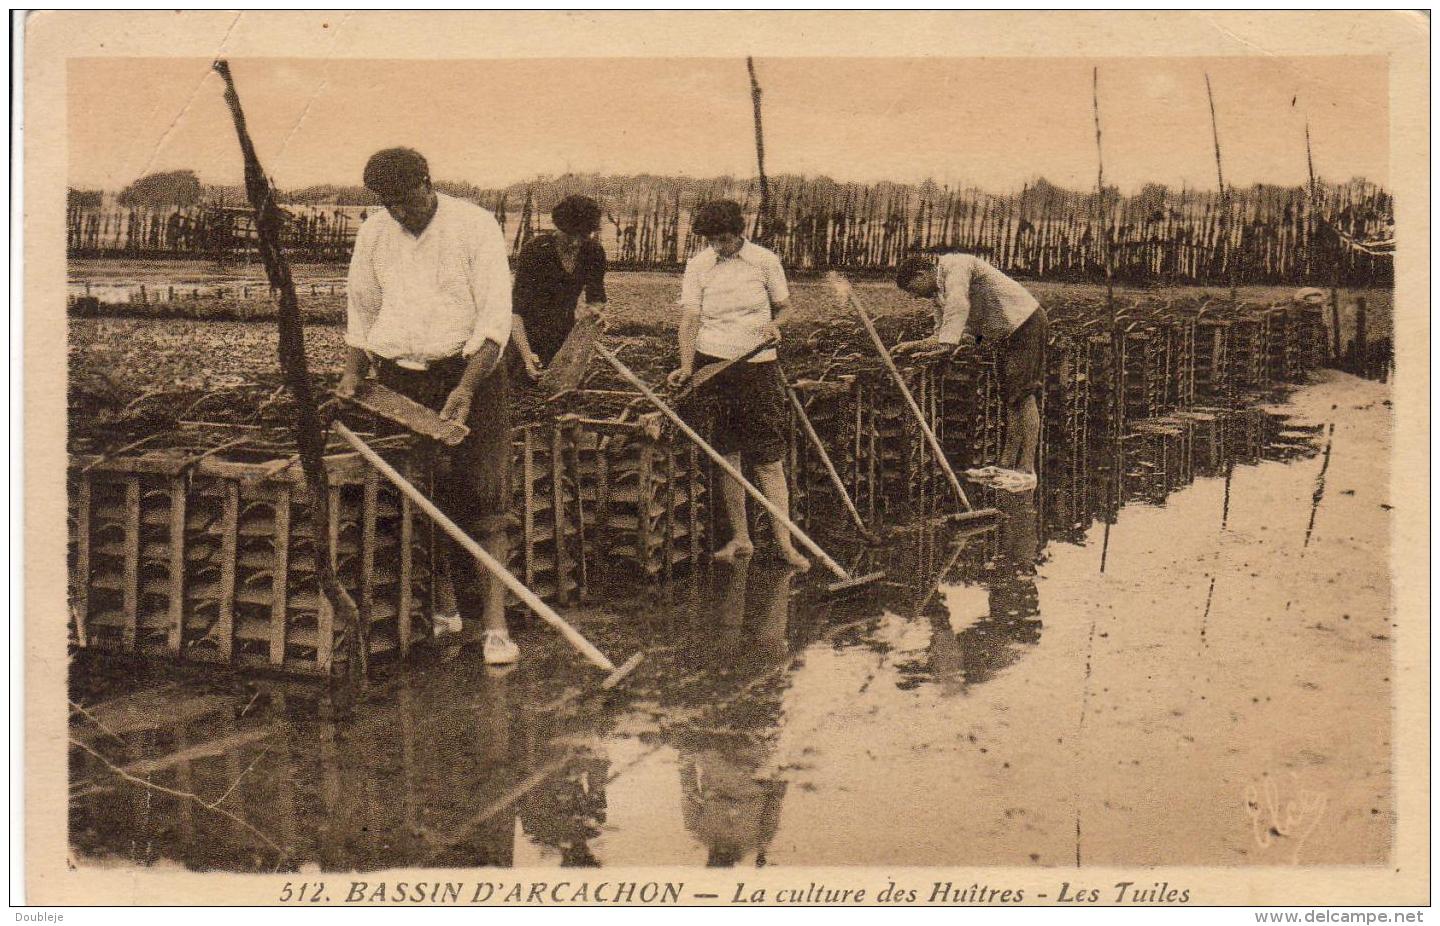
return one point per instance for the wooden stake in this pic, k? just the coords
(308, 437)
(1224, 196)
(1102, 216)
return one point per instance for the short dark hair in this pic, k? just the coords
(395, 171)
(719, 217)
(910, 268)
(576, 215)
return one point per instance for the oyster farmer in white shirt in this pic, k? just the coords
(429, 308)
(734, 297)
(975, 302)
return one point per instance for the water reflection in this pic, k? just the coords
(450, 766)
(983, 606)
(567, 811)
(729, 804)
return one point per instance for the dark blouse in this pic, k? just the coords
(545, 296)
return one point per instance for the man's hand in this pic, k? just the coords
(770, 332)
(533, 366)
(349, 385)
(357, 365)
(678, 376)
(457, 407)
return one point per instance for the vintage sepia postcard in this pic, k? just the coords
(726, 458)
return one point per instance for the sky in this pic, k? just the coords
(995, 123)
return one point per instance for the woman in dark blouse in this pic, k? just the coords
(550, 274)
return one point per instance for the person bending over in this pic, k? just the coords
(550, 274)
(974, 302)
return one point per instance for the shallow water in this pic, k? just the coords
(1203, 681)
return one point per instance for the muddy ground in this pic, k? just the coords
(1204, 682)
(136, 371)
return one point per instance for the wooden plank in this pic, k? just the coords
(367, 553)
(873, 452)
(557, 492)
(602, 506)
(132, 562)
(856, 454)
(407, 554)
(527, 475)
(325, 613)
(229, 542)
(572, 437)
(668, 565)
(568, 367)
(644, 504)
(177, 565)
(81, 600)
(692, 512)
(341, 467)
(184, 781)
(394, 407)
(279, 581)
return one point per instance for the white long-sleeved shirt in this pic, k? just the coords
(975, 295)
(733, 296)
(418, 299)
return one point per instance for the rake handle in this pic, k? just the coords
(835, 479)
(909, 399)
(723, 463)
(496, 569)
(710, 371)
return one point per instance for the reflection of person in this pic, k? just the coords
(991, 644)
(1019, 531)
(567, 811)
(728, 805)
(550, 274)
(997, 641)
(1012, 607)
(975, 301)
(734, 298)
(429, 300)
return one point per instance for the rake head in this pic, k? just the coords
(846, 586)
(625, 669)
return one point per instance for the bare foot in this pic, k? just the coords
(794, 557)
(734, 549)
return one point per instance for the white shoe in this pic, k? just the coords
(500, 650)
(447, 623)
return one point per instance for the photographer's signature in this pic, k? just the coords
(1295, 820)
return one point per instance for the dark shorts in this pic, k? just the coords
(1023, 359)
(472, 483)
(746, 405)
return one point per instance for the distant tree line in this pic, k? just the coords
(1259, 234)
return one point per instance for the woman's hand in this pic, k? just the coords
(533, 366)
(770, 332)
(679, 376)
(349, 385)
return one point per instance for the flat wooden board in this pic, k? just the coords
(392, 406)
(567, 368)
